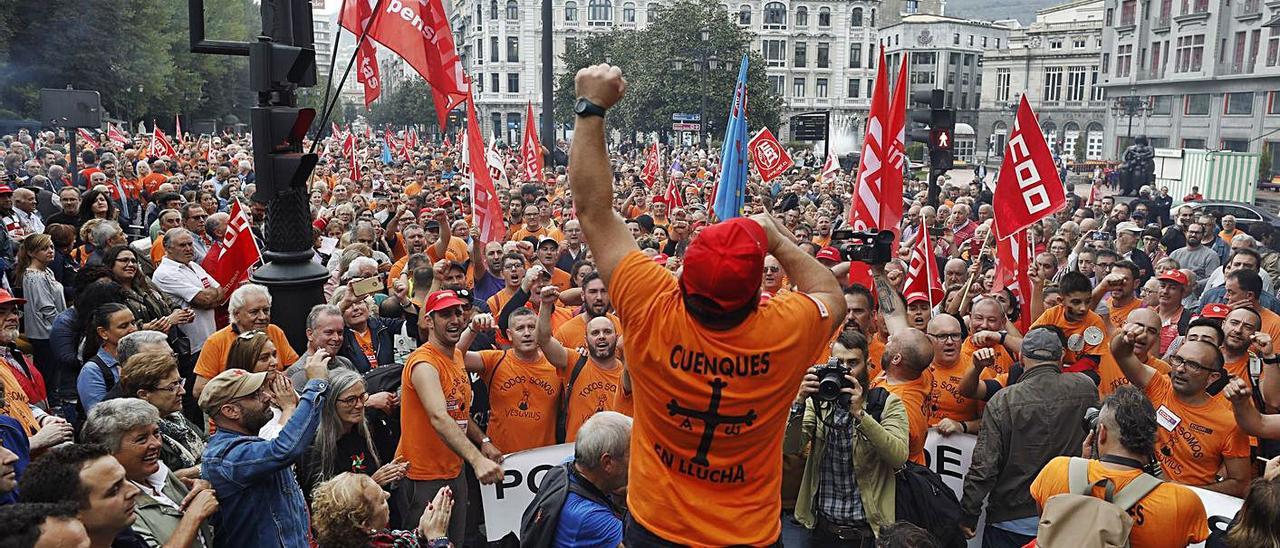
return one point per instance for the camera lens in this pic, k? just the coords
(829, 385)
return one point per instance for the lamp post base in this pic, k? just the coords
(296, 281)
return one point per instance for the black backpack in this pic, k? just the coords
(542, 516)
(922, 498)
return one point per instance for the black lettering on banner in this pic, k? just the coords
(515, 478)
(945, 458)
(535, 476)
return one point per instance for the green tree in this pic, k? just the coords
(666, 70)
(1079, 150)
(409, 103)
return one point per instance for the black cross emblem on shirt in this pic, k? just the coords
(711, 419)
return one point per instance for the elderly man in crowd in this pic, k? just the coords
(179, 275)
(250, 309)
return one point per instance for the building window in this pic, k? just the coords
(513, 10)
(513, 50)
(1053, 84)
(1166, 9)
(820, 88)
(496, 118)
(1124, 60)
(925, 77)
(1190, 53)
(628, 13)
(650, 13)
(493, 51)
(824, 55)
(1273, 50)
(1003, 76)
(494, 79)
(1197, 105)
(777, 83)
(1197, 144)
(775, 53)
(571, 12)
(1273, 105)
(1056, 43)
(744, 15)
(480, 83)
(1240, 104)
(802, 55)
(1078, 43)
(1076, 77)
(513, 82)
(1155, 58)
(802, 16)
(1097, 93)
(797, 88)
(855, 88)
(855, 55)
(824, 18)
(873, 17)
(953, 59)
(970, 40)
(1194, 6)
(955, 39)
(599, 12)
(1093, 142)
(1070, 134)
(1128, 12)
(479, 51)
(1235, 145)
(912, 6)
(775, 16)
(1162, 105)
(871, 57)
(855, 18)
(493, 10)
(997, 43)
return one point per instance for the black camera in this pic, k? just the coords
(873, 247)
(831, 380)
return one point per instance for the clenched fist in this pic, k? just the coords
(601, 84)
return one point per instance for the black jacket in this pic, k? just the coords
(383, 335)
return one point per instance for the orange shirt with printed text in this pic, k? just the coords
(945, 401)
(430, 458)
(1193, 441)
(710, 407)
(524, 397)
(1111, 377)
(915, 396)
(596, 389)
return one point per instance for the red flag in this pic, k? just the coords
(1014, 257)
(366, 54)
(484, 196)
(922, 272)
(115, 135)
(767, 154)
(530, 150)
(652, 165)
(447, 143)
(177, 128)
(349, 150)
(830, 167)
(411, 139)
(895, 152)
(420, 33)
(88, 137)
(869, 186)
(160, 146)
(1028, 188)
(230, 260)
(674, 195)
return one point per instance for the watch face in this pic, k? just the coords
(580, 106)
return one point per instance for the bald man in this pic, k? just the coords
(1145, 347)
(906, 359)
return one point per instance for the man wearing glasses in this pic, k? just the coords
(193, 219)
(1197, 434)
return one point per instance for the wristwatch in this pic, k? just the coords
(584, 107)
(485, 440)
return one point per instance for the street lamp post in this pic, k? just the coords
(1131, 105)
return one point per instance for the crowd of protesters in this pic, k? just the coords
(146, 405)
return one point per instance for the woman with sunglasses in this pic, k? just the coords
(153, 377)
(150, 307)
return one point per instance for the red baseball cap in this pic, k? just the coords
(6, 298)
(1176, 276)
(725, 263)
(916, 296)
(829, 254)
(441, 300)
(1216, 311)
(4, 189)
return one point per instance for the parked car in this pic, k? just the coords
(1245, 214)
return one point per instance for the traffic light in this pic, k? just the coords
(934, 125)
(275, 71)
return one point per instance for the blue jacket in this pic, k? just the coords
(65, 339)
(382, 335)
(260, 503)
(1219, 295)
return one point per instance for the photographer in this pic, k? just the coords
(847, 491)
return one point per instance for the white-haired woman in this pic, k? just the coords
(168, 513)
(345, 442)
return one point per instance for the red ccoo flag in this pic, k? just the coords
(366, 54)
(673, 196)
(419, 32)
(922, 272)
(484, 196)
(767, 154)
(829, 167)
(1028, 188)
(88, 137)
(530, 150)
(869, 184)
(1014, 257)
(116, 136)
(895, 154)
(652, 165)
(160, 146)
(230, 260)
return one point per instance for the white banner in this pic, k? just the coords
(950, 456)
(505, 501)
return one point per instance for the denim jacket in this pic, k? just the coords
(260, 503)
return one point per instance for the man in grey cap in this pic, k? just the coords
(1025, 425)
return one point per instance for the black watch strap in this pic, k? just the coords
(584, 107)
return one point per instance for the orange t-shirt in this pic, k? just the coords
(1170, 515)
(524, 397)
(875, 351)
(1240, 368)
(152, 181)
(561, 279)
(157, 250)
(945, 401)
(1084, 338)
(1111, 377)
(213, 357)
(523, 232)
(572, 334)
(429, 457)
(1003, 363)
(413, 189)
(1193, 441)
(499, 300)
(1270, 322)
(457, 251)
(596, 389)
(710, 407)
(365, 341)
(915, 396)
(1118, 313)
